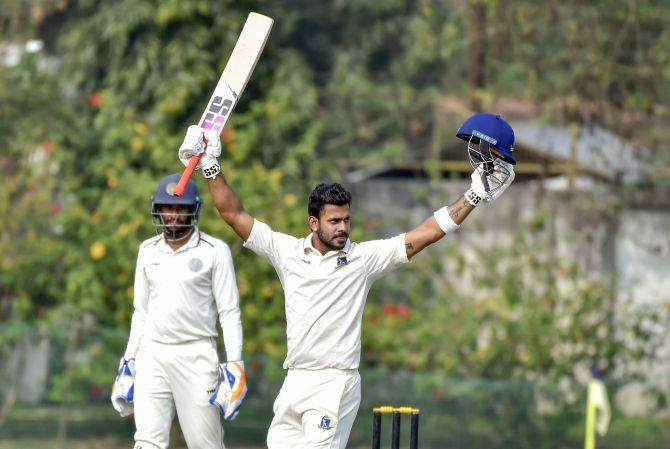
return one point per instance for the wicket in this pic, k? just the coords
(377, 413)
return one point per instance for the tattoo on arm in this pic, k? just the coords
(409, 246)
(456, 211)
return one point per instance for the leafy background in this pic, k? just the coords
(89, 125)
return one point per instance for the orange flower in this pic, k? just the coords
(389, 309)
(403, 311)
(228, 135)
(95, 100)
(47, 146)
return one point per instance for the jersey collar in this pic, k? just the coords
(193, 241)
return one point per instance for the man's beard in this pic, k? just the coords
(330, 242)
(176, 233)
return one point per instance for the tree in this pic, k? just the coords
(337, 81)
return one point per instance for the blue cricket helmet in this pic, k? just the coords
(492, 129)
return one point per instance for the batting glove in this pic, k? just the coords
(232, 389)
(205, 143)
(499, 181)
(124, 388)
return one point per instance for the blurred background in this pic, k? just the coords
(492, 332)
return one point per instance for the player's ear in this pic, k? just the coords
(313, 223)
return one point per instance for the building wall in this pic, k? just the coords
(589, 225)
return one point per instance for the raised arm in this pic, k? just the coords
(450, 218)
(208, 143)
(230, 206)
(430, 231)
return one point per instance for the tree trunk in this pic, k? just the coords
(477, 49)
(72, 344)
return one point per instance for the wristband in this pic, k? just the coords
(472, 197)
(444, 220)
(212, 171)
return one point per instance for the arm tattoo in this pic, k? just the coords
(409, 246)
(456, 212)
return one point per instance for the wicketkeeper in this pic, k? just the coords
(184, 280)
(326, 279)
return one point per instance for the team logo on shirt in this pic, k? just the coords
(325, 423)
(341, 261)
(195, 265)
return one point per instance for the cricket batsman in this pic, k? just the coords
(326, 278)
(184, 280)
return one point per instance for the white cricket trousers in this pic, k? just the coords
(177, 377)
(315, 409)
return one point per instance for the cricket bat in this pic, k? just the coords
(231, 84)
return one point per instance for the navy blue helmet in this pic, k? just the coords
(491, 130)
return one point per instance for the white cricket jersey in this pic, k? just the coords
(179, 294)
(325, 294)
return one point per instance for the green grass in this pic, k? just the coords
(442, 427)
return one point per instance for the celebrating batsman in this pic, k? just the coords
(184, 280)
(326, 279)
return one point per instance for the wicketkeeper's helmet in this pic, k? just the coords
(165, 195)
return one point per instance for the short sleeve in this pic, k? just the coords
(270, 245)
(382, 256)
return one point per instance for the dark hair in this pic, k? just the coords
(327, 193)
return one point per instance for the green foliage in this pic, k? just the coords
(90, 379)
(28, 201)
(528, 315)
(88, 128)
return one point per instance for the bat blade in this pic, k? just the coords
(231, 84)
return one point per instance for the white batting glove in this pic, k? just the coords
(477, 191)
(205, 142)
(232, 389)
(124, 388)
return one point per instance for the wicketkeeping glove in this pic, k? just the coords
(124, 388)
(232, 389)
(499, 181)
(205, 142)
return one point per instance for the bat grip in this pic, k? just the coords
(186, 175)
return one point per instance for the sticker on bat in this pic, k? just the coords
(217, 111)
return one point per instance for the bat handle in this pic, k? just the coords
(186, 175)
